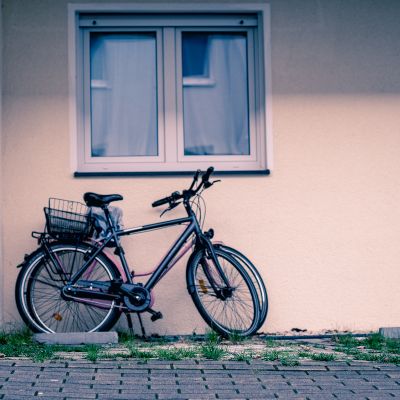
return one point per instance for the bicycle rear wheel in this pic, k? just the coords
(255, 276)
(229, 310)
(38, 291)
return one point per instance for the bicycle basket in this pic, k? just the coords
(67, 220)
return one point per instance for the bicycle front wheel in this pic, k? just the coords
(38, 291)
(231, 309)
(255, 277)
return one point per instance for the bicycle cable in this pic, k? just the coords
(200, 208)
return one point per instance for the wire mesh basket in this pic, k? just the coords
(67, 220)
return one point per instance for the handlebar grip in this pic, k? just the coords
(207, 174)
(170, 199)
(160, 202)
(196, 175)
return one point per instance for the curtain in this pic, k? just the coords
(123, 94)
(216, 120)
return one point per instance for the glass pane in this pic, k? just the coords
(215, 93)
(195, 55)
(123, 94)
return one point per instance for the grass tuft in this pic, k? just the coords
(272, 343)
(237, 338)
(93, 352)
(212, 351)
(289, 360)
(269, 355)
(20, 344)
(212, 337)
(286, 358)
(243, 356)
(174, 354)
(323, 356)
(135, 352)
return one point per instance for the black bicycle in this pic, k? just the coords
(72, 282)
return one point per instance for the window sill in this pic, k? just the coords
(164, 173)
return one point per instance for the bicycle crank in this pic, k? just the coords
(136, 297)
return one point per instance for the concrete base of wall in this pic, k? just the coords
(77, 338)
(391, 333)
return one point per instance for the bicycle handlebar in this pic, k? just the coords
(175, 196)
(166, 200)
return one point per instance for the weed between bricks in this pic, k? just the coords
(374, 348)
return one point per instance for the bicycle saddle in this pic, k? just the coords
(99, 200)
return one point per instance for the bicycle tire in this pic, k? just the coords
(255, 277)
(38, 292)
(243, 302)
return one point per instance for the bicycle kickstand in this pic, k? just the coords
(141, 326)
(130, 325)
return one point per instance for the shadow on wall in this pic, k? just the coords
(336, 46)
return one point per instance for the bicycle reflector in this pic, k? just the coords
(203, 286)
(57, 316)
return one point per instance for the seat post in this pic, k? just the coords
(119, 249)
(106, 211)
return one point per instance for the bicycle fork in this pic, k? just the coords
(215, 276)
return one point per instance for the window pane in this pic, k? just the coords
(123, 94)
(195, 55)
(215, 94)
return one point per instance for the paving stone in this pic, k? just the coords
(387, 385)
(21, 397)
(392, 333)
(301, 382)
(261, 396)
(79, 395)
(222, 385)
(194, 390)
(348, 397)
(77, 338)
(130, 396)
(308, 389)
(166, 396)
(359, 385)
(380, 397)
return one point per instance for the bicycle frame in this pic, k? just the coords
(169, 260)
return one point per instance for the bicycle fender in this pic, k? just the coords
(190, 288)
(28, 258)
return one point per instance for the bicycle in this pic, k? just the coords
(72, 282)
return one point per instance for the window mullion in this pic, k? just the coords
(170, 103)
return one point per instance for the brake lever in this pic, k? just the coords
(171, 207)
(209, 184)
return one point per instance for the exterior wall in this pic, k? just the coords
(1, 171)
(323, 228)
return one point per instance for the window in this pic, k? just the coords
(169, 92)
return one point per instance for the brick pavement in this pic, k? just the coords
(197, 379)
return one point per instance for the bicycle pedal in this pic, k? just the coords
(157, 315)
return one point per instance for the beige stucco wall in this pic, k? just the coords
(1, 171)
(324, 227)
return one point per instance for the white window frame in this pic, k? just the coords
(170, 137)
